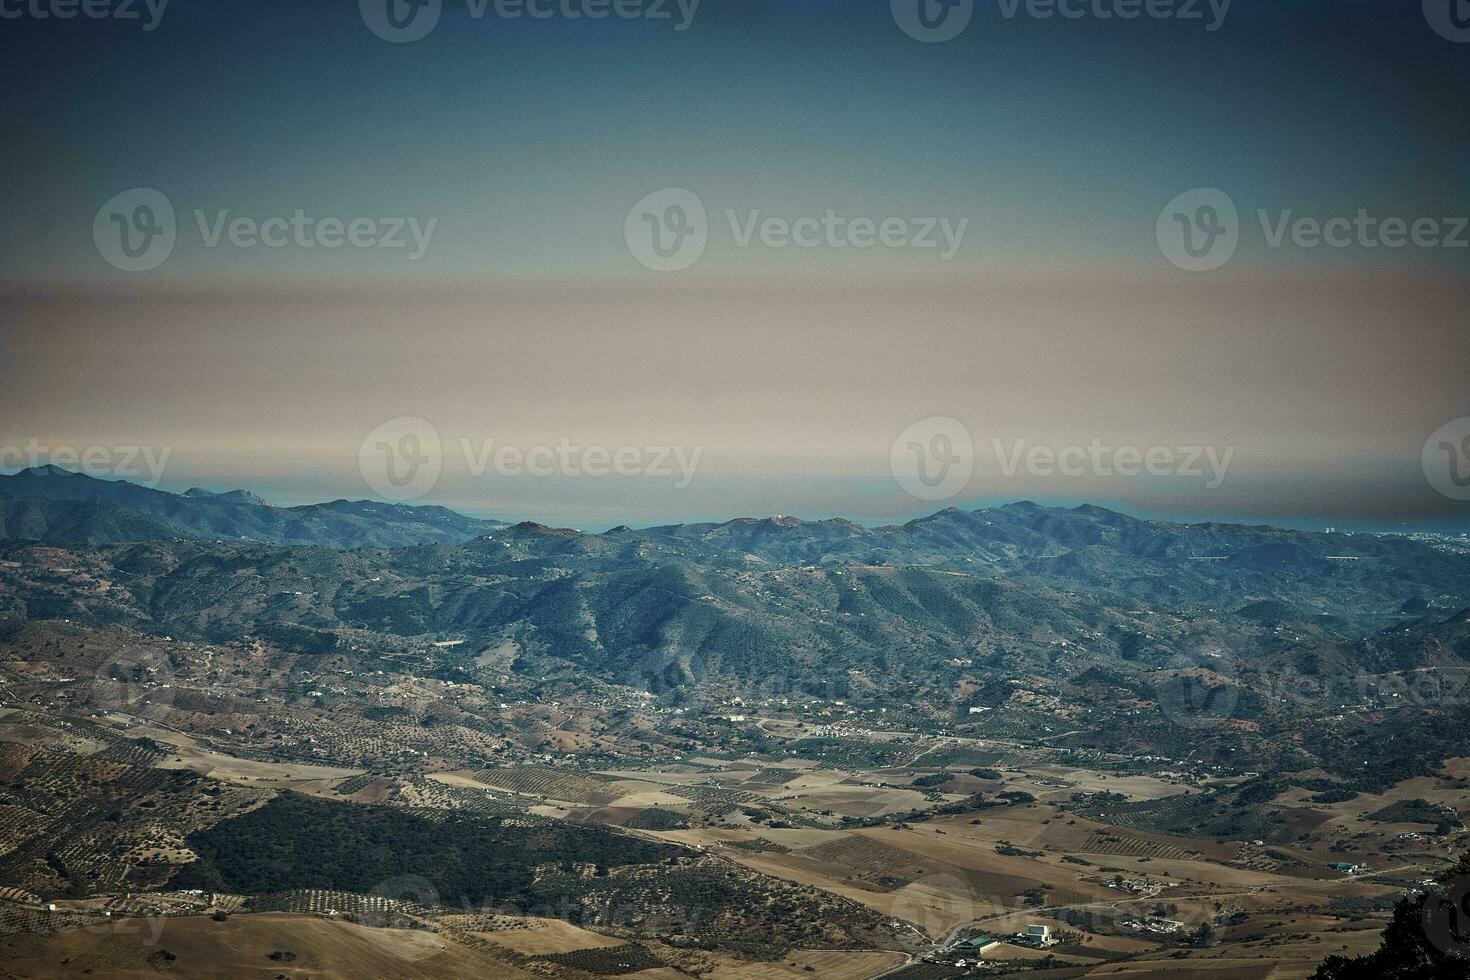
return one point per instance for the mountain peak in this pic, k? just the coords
(244, 497)
(230, 497)
(531, 527)
(949, 514)
(48, 469)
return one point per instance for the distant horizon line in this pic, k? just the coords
(1323, 524)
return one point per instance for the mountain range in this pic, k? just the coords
(47, 503)
(1020, 587)
(1048, 622)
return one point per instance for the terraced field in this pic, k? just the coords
(608, 961)
(552, 784)
(711, 797)
(132, 752)
(323, 901)
(873, 860)
(1102, 842)
(773, 777)
(354, 784)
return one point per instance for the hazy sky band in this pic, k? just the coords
(274, 397)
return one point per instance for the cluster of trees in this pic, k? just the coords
(1428, 939)
(297, 842)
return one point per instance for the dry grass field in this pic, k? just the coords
(834, 965)
(992, 867)
(567, 788)
(184, 752)
(264, 946)
(537, 937)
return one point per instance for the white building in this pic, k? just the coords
(1039, 935)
